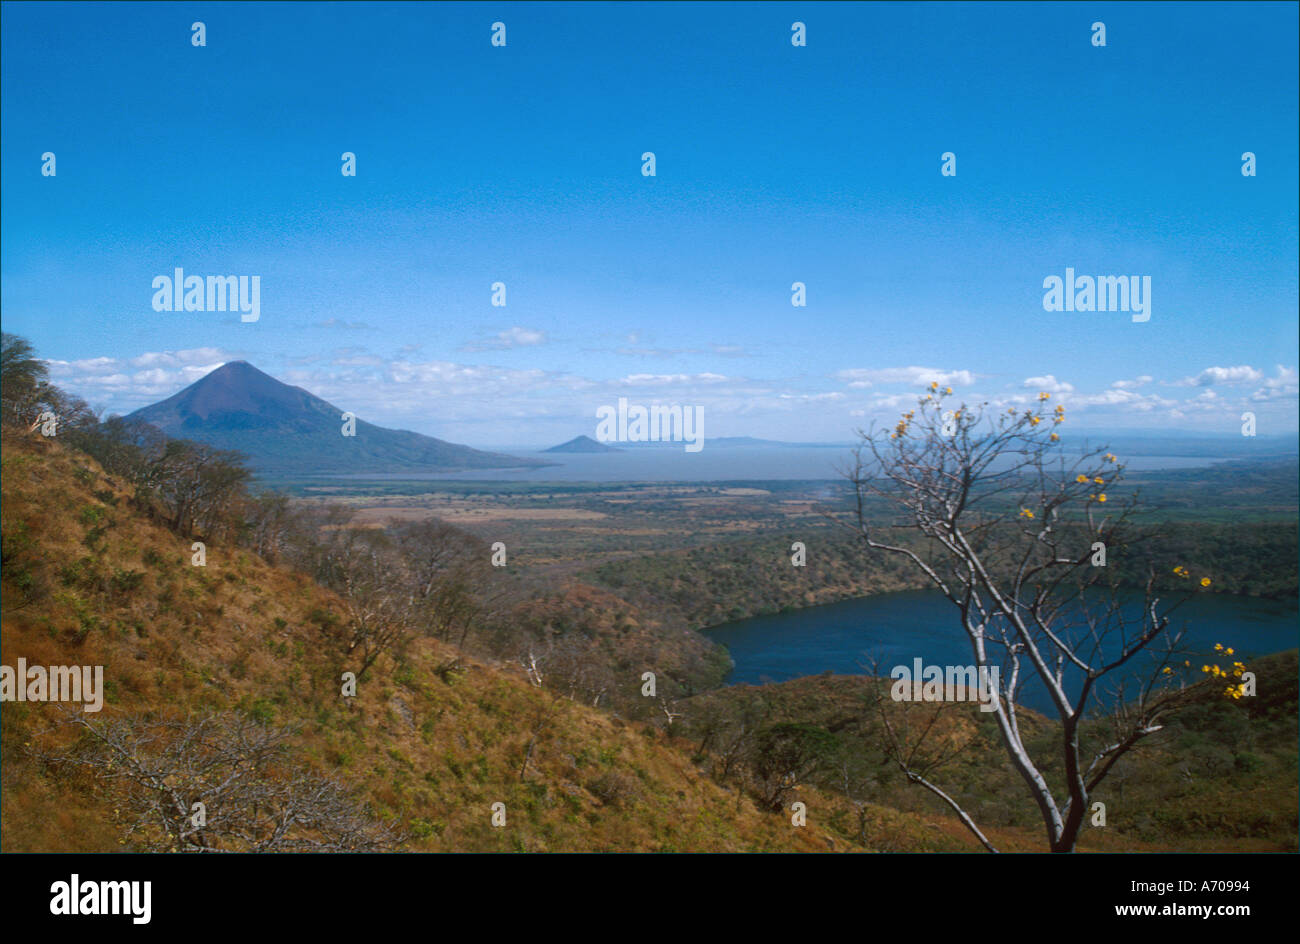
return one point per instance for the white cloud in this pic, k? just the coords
(730, 350)
(123, 384)
(507, 339)
(1048, 383)
(1130, 401)
(1221, 375)
(660, 380)
(719, 350)
(450, 399)
(811, 397)
(892, 402)
(91, 365)
(861, 377)
(1283, 386)
(198, 355)
(1132, 384)
(348, 325)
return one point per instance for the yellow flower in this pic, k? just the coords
(1099, 480)
(934, 385)
(1205, 582)
(1033, 420)
(1102, 497)
(1218, 646)
(1110, 457)
(1205, 668)
(1026, 513)
(947, 389)
(1055, 437)
(1168, 670)
(1044, 396)
(1081, 479)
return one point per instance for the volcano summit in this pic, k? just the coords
(287, 431)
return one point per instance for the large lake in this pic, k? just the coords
(709, 465)
(895, 628)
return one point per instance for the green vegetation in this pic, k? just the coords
(1221, 776)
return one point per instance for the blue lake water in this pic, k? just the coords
(895, 628)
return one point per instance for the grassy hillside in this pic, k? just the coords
(432, 740)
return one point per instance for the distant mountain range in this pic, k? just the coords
(1128, 442)
(286, 430)
(1201, 445)
(735, 442)
(582, 444)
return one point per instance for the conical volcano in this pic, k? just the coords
(286, 430)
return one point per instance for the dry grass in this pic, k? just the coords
(430, 753)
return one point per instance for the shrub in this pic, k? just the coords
(615, 788)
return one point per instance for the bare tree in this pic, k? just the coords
(219, 782)
(530, 663)
(1009, 531)
(727, 727)
(669, 709)
(23, 377)
(268, 523)
(26, 393)
(542, 720)
(450, 576)
(910, 743)
(853, 777)
(378, 600)
(787, 755)
(365, 569)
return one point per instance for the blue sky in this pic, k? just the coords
(775, 164)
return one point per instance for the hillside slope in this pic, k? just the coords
(433, 740)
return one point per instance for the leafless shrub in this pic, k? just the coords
(253, 799)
